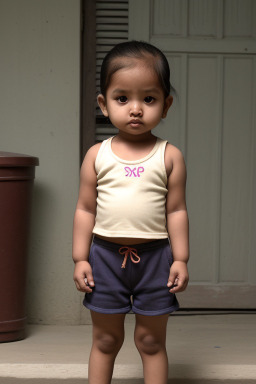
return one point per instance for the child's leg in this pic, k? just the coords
(108, 336)
(150, 339)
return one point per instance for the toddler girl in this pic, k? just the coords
(130, 241)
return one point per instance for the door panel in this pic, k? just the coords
(201, 159)
(237, 169)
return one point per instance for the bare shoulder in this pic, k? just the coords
(87, 170)
(173, 158)
(88, 181)
(92, 152)
(90, 157)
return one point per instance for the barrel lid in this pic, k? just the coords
(9, 159)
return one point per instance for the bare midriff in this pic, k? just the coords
(125, 240)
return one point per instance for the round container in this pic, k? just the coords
(17, 174)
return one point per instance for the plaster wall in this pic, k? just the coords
(39, 99)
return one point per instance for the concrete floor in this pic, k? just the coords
(202, 349)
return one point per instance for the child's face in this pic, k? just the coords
(135, 101)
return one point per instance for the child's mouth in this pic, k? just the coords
(135, 123)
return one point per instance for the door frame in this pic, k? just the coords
(88, 76)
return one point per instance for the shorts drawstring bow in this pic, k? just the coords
(127, 251)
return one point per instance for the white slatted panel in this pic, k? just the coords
(111, 29)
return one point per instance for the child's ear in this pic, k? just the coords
(167, 104)
(102, 104)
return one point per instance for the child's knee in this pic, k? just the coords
(148, 344)
(108, 343)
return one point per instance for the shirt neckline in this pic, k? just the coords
(150, 154)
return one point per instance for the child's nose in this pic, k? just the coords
(136, 109)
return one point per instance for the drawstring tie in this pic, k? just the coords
(127, 251)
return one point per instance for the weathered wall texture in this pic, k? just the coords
(39, 98)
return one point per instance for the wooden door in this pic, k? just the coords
(211, 47)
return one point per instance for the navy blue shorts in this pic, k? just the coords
(131, 278)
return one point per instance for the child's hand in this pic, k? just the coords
(83, 276)
(178, 277)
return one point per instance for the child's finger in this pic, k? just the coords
(83, 285)
(89, 279)
(174, 285)
(79, 287)
(181, 284)
(171, 279)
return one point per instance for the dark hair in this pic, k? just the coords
(136, 50)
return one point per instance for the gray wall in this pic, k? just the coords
(39, 99)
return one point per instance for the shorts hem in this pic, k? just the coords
(107, 310)
(155, 313)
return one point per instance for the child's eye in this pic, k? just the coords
(149, 99)
(122, 99)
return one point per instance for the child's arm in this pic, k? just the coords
(177, 218)
(84, 221)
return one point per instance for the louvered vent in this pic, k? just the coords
(111, 29)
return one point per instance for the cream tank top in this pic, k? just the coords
(131, 194)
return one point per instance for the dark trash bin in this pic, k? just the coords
(17, 174)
